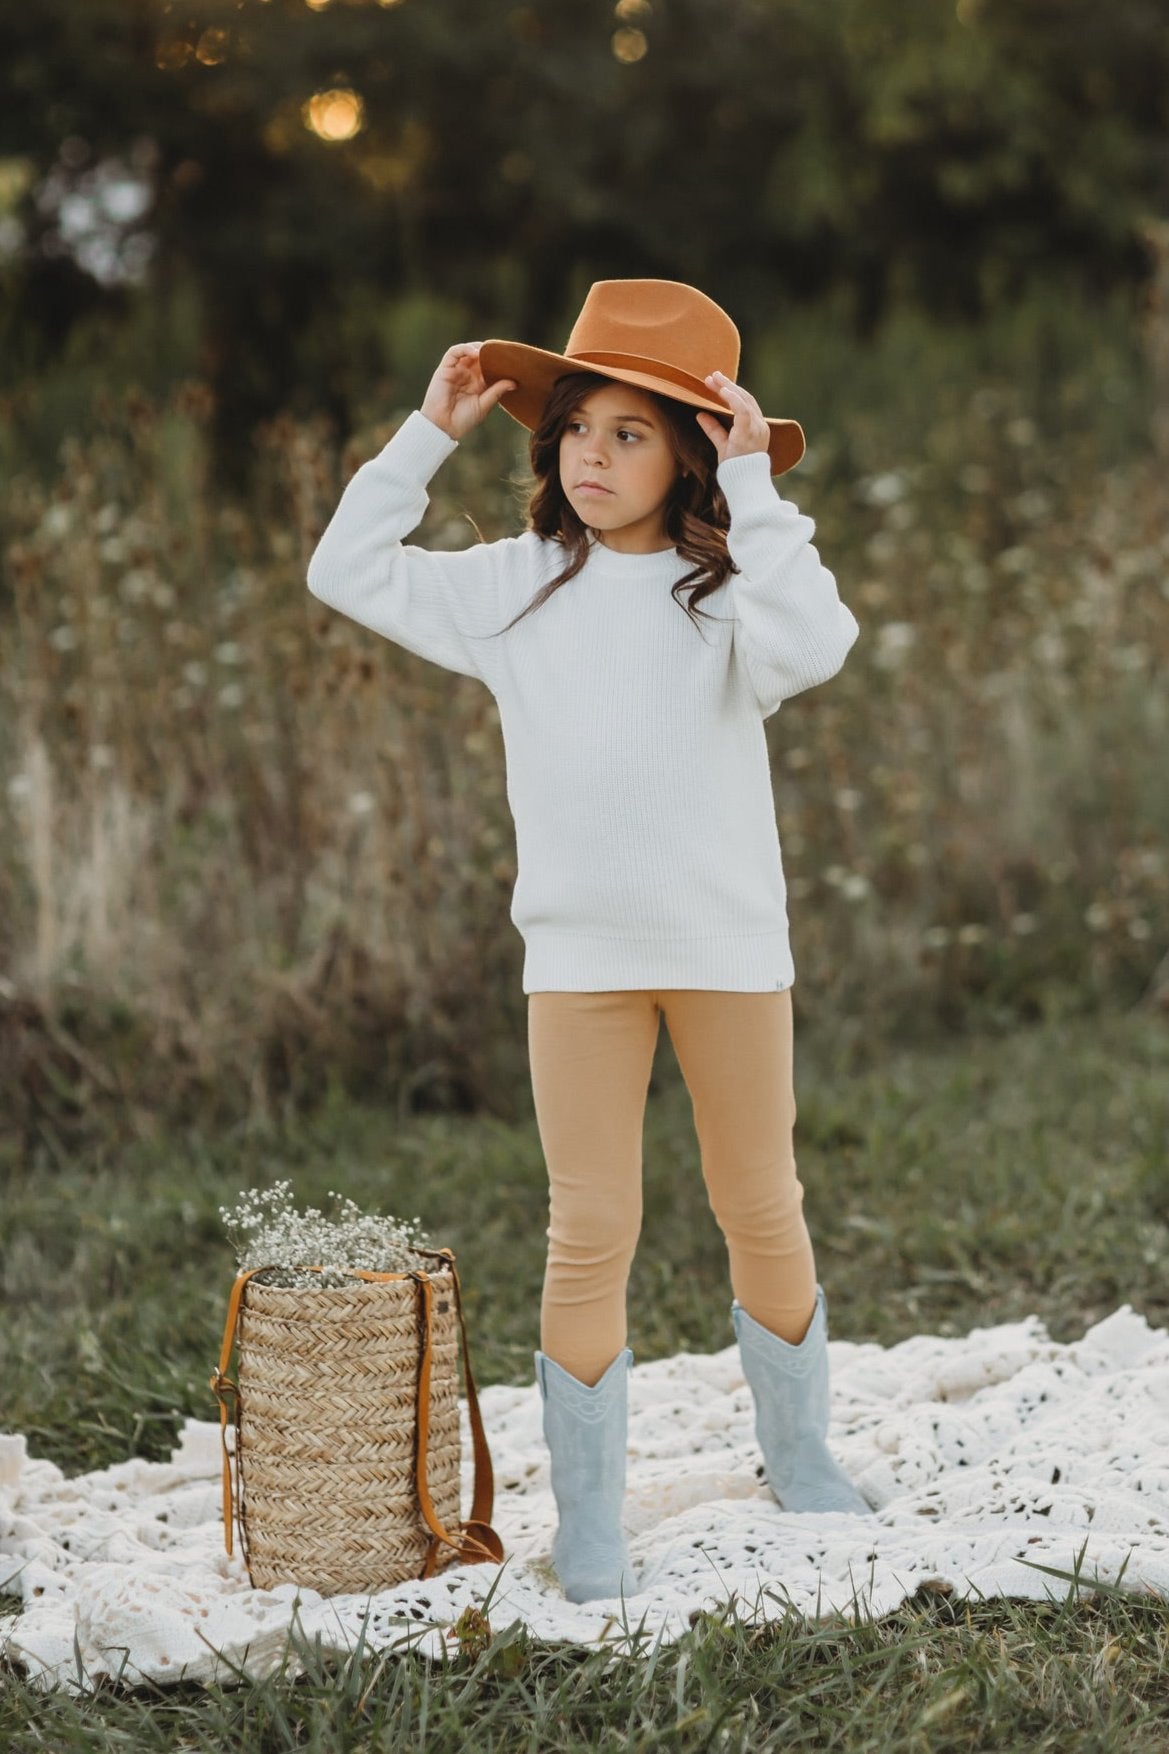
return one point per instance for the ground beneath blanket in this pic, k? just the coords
(992, 1461)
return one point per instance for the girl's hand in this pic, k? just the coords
(749, 430)
(457, 398)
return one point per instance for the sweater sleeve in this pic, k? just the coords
(791, 628)
(438, 605)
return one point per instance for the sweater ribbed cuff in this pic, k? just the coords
(417, 448)
(747, 484)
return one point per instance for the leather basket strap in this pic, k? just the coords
(226, 1390)
(477, 1542)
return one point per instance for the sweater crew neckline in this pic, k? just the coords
(661, 563)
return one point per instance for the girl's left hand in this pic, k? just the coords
(749, 430)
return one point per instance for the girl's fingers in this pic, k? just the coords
(462, 359)
(714, 429)
(466, 374)
(733, 392)
(749, 425)
(498, 389)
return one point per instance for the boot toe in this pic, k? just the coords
(600, 1569)
(816, 1481)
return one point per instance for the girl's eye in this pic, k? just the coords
(623, 432)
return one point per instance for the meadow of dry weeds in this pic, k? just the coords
(249, 851)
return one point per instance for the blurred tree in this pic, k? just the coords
(305, 160)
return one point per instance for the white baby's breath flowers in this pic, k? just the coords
(269, 1232)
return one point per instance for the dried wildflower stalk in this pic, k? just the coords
(269, 1232)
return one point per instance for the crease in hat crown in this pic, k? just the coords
(659, 335)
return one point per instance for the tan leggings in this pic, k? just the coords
(591, 1058)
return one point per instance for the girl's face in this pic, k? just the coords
(617, 467)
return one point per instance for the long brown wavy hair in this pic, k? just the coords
(697, 515)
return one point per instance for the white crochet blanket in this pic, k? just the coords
(986, 1458)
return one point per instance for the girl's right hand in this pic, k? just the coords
(458, 398)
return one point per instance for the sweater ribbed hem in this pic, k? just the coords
(577, 962)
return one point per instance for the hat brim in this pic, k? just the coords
(535, 370)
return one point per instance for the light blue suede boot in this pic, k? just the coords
(790, 1386)
(585, 1430)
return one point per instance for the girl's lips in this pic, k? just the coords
(592, 487)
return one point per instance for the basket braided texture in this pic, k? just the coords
(328, 1384)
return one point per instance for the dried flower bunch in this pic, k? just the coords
(269, 1232)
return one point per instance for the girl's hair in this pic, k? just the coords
(697, 515)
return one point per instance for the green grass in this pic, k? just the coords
(1065, 1678)
(970, 1184)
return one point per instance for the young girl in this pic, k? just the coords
(661, 605)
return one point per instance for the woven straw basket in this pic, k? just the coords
(346, 1418)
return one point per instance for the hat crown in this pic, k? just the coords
(660, 320)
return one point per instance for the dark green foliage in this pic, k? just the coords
(775, 151)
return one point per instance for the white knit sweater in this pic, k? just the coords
(637, 768)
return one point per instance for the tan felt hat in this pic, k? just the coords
(661, 335)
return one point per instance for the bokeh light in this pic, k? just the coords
(211, 48)
(334, 115)
(629, 45)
